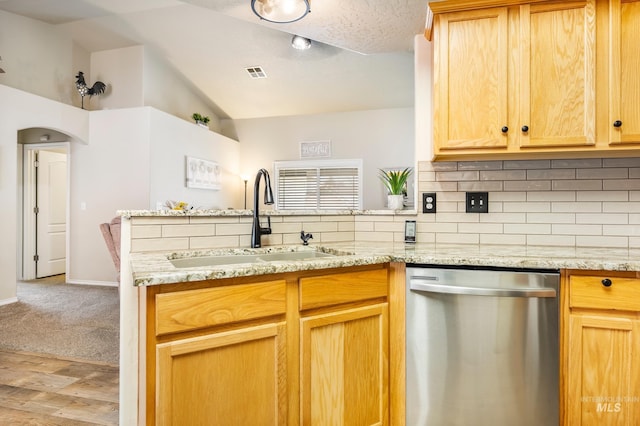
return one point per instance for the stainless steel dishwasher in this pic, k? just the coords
(482, 346)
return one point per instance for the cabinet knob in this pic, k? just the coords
(525, 129)
(504, 129)
(617, 123)
(606, 282)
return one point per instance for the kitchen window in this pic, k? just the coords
(318, 185)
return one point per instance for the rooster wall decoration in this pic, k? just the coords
(97, 88)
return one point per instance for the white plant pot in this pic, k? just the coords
(395, 202)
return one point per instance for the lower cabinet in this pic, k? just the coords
(603, 350)
(308, 348)
(235, 377)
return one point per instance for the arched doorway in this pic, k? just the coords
(44, 164)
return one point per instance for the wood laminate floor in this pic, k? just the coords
(38, 390)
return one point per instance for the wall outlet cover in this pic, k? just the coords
(428, 202)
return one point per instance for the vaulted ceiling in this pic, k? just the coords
(361, 55)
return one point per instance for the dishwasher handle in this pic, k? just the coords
(418, 284)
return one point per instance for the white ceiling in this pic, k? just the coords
(361, 57)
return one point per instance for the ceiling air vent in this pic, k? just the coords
(256, 72)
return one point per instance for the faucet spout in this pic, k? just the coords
(257, 230)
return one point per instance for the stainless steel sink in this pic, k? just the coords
(199, 261)
(234, 259)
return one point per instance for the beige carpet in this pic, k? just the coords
(65, 320)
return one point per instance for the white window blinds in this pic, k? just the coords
(319, 185)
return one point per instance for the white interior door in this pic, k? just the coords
(51, 218)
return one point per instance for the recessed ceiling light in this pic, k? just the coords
(300, 43)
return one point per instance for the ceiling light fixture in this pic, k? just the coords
(300, 43)
(280, 11)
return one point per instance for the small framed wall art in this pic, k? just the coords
(203, 174)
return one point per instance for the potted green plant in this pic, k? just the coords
(201, 120)
(396, 183)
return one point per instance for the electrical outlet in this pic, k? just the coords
(477, 202)
(428, 202)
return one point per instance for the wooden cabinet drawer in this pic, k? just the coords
(590, 292)
(193, 309)
(335, 289)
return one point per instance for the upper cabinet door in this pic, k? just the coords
(624, 80)
(557, 76)
(470, 73)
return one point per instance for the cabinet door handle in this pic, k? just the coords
(617, 123)
(525, 129)
(606, 282)
(504, 129)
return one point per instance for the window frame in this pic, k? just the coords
(318, 164)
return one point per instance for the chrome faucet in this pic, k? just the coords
(256, 230)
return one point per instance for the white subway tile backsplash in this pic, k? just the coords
(580, 163)
(551, 196)
(549, 174)
(570, 229)
(602, 196)
(527, 228)
(621, 230)
(557, 200)
(507, 239)
(609, 173)
(457, 176)
(527, 185)
(579, 207)
(486, 186)
(444, 238)
(618, 207)
(188, 230)
(621, 185)
(503, 175)
(199, 243)
(577, 185)
(551, 218)
(602, 218)
(601, 241)
(480, 165)
(524, 207)
(526, 164)
(551, 240)
(480, 228)
(573, 202)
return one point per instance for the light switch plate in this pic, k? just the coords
(477, 202)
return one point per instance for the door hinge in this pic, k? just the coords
(36, 210)
(36, 257)
(36, 163)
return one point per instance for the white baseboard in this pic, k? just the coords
(90, 282)
(8, 301)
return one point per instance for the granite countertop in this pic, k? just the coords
(156, 268)
(265, 212)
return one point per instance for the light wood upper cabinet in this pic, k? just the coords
(535, 78)
(602, 364)
(624, 84)
(471, 56)
(557, 74)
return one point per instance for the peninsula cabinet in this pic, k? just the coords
(298, 348)
(530, 78)
(602, 338)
